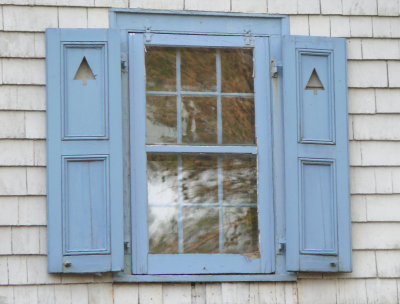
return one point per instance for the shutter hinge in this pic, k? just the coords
(124, 63)
(274, 65)
(147, 33)
(281, 246)
(248, 37)
(127, 247)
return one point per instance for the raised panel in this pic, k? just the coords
(85, 102)
(315, 97)
(86, 209)
(318, 207)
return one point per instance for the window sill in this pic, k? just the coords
(288, 277)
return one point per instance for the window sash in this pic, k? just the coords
(144, 263)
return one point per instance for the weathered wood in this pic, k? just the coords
(126, 294)
(199, 293)
(213, 293)
(235, 293)
(150, 293)
(176, 293)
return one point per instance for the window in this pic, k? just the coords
(203, 159)
(218, 151)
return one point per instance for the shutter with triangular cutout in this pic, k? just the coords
(84, 72)
(316, 154)
(314, 83)
(84, 151)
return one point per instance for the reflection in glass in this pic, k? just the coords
(237, 70)
(240, 179)
(197, 202)
(199, 178)
(161, 119)
(200, 230)
(160, 69)
(238, 120)
(241, 231)
(162, 180)
(188, 193)
(163, 229)
(198, 69)
(199, 120)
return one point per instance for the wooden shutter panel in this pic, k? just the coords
(84, 151)
(316, 154)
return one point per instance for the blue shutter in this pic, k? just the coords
(316, 154)
(84, 151)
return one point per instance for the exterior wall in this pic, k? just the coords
(373, 31)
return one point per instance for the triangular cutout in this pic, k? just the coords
(314, 83)
(84, 72)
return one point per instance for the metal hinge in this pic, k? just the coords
(124, 63)
(274, 65)
(127, 247)
(281, 246)
(147, 34)
(248, 37)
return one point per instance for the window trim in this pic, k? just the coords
(247, 26)
(138, 155)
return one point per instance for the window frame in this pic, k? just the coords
(213, 263)
(247, 28)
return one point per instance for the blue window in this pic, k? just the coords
(197, 147)
(205, 160)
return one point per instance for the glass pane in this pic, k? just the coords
(199, 120)
(241, 231)
(161, 119)
(199, 179)
(189, 192)
(200, 230)
(240, 179)
(160, 69)
(163, 229)
(238, 120)
(237, 70)
(162, 180)
(198, 69)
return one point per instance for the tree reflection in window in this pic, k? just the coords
(201, 202)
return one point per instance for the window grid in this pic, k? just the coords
(179, 93)
(195, 93)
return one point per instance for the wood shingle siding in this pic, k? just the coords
(372, 29)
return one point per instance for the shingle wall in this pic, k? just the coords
(373, 31)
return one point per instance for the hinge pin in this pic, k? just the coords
(273, 69)
(281, 246)
(147, 34)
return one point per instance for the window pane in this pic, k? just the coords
(199, 179)
(199, 120)
(160, 69)
(200, 230)
(162, 180)
(240, 179)
(161, 119)
(237, 70)
(238, 120)
(198, 69)
(241, 231)
(163, 229)
(211, 200)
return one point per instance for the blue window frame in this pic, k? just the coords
(299, 149)
(145, 262)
